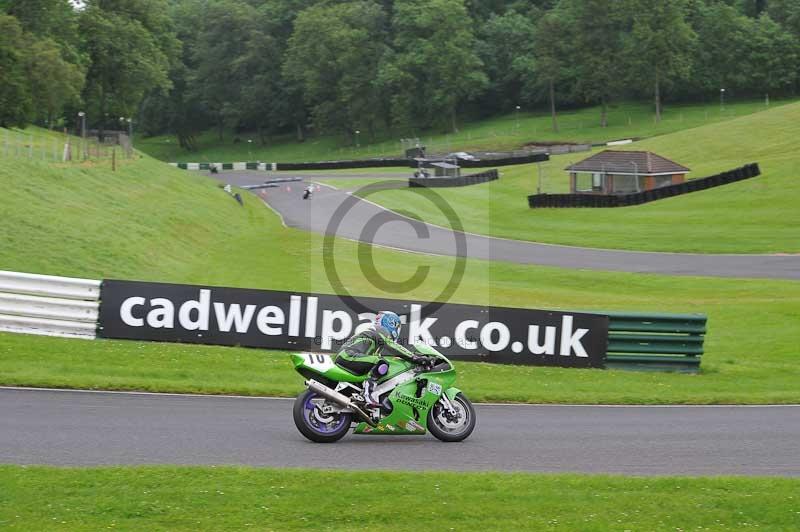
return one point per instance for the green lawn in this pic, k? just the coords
(237, 498)
(149, 221)
(755, 216)
(499, 133)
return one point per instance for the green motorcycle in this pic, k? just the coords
(415, 398)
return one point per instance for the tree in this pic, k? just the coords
(597, 27)
(787, 14)
(434, 67)
(53, 19)
(660, 45)
(333, 56)
(53, 82)
(224, 30)
(723, 33)
(130, 44)
(16, 105)
(551, 56)
(772, 56)
(503, 42)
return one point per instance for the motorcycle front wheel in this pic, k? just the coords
(452, 427)
(316, 425)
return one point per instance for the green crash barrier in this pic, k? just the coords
(658, 342)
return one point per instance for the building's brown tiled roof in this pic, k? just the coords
(629, 162)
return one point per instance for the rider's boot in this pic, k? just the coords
(370, 398)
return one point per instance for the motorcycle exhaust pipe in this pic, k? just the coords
(340, 399)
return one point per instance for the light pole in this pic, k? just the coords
(721, 99)
(357, 143)
(249, 149)
(518, 119)
(83, 133)
(83, 124)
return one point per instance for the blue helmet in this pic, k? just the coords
(388, 323)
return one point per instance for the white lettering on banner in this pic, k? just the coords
(549, 345)
(233, 317)
(270, 316)
(461, 334)
(329, 317)
(366, 319)
(502, 341)
(302, 315)
(201, 307)
(418, 332)
(571, 341)
(126, 311)
(295, 304)
(311, 317)
(162, 314)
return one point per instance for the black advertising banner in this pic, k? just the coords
(319, 322)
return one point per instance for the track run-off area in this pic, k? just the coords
(397, 231)
(86, 428)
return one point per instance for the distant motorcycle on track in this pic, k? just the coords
(415, 397)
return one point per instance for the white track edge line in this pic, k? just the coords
(270, 398)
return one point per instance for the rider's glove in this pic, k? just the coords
(420, 360)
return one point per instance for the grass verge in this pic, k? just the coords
(228, 498)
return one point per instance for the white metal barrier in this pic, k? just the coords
(48, 305)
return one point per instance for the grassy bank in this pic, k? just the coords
(226, 498)
(499, 133)
(754, 216)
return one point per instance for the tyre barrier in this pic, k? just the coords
(637, 198)
(462, 181)
(360, 163)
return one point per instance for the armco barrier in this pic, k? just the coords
(637, 198)
(655, 341)
(48, 305)
(437, 182)
(69, 307)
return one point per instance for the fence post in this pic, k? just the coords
(114, 159)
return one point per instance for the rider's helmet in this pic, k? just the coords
(387, 323)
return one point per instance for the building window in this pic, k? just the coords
(597, 182)
(662, 181)
(624, 184)
(583, 183)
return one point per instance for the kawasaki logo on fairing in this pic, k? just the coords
(417, 403)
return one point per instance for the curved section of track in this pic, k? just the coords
(400, 232)
(98, 428)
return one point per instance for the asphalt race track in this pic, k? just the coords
(400, 232)
(70, 428)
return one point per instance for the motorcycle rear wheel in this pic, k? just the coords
(452, 430)
(318, 427)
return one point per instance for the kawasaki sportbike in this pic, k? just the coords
(415, 398)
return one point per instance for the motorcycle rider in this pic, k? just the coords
(364, 352)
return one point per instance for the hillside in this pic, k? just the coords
(754, 216)
(506, 132)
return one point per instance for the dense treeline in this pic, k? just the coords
(273, 66)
